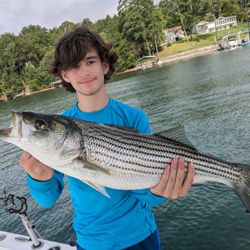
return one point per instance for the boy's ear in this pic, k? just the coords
(105, 66)
(64, 76)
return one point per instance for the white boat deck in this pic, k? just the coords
(10, 241)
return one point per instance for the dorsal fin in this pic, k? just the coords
(176, 134)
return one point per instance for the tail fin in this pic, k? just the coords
(242, 187)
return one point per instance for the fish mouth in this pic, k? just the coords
(5, 132)
(15, 129)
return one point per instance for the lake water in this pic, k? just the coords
(210, 96)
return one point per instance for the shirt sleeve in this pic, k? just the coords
(47, 192)
(145, 195)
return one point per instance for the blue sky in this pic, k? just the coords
(15, 14)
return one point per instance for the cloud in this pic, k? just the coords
(15, 14)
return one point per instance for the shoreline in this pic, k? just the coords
(4, 98)
(175, 58)
(38, 91)
(147, 65)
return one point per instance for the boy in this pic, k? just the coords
(124, 221)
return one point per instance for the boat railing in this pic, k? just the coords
(18, 205)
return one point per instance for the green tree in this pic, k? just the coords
(183, 13)
(108, 28)
(67, 26)
(21, 56)
(231, 8)
(187, 13)
(87, 22)
(36, 78)
(140, 22)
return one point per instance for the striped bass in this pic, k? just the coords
(116, 157)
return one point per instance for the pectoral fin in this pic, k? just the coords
(94, 167)
(97, 187)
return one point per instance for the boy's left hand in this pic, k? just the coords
(174, 183)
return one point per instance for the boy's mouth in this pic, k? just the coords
(86, 81)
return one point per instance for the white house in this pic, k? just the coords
(221, 23)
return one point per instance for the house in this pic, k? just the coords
(221, 23)
(173, 34)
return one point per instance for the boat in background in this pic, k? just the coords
(244, 42)
(229, 42)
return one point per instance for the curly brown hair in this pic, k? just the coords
(73, 46)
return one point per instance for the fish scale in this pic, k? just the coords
(161, 148)
(103, 147)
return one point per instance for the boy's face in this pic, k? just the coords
(88, 77)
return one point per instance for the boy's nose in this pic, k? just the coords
(84, 71)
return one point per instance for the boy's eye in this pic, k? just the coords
(90, 62)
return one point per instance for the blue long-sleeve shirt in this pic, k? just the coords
(100, 222)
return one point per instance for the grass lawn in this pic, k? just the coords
(199, 41)
(185, 46)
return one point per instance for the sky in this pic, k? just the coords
(15, 14)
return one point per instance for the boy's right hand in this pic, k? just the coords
(35, 168)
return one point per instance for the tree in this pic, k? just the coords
(231, 8)
(38, 37)
(108, 29)
(21, 56)
(183, 13)
(87, 22)
(67, 26)
(36, 78)
(181, 19)
(140, 22)
(188, 12)
(123, 5)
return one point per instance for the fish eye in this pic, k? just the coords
(40, 125)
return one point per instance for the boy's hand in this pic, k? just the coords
(174, 183)
(35, 168)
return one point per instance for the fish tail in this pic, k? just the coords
(242, 187)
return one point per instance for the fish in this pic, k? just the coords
(117, 157)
